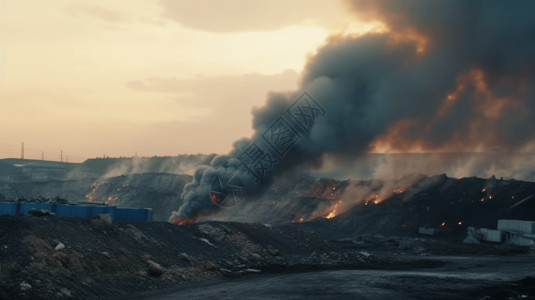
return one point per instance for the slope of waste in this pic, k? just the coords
(448, 204)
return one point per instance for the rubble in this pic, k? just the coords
(155, 269)
(25, 286)
(130, 257)
(59, 246)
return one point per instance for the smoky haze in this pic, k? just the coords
(445, 76)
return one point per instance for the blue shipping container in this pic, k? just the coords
(133, 214)
(97, 210)
(25, 207)
(9, 208)
(83, 211)
(64, 210)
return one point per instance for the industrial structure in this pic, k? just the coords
(512, 232)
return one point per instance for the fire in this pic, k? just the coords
(187, 220)
(332, 196)
(91, 196)
(488, 106)
(214, 197)
(484, 190)
(377, 199)
(300, 220)
(332, 213)
(112, 199)
(399, 191)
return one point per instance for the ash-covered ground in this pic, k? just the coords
(305, 238)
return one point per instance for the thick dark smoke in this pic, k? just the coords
(447, 76)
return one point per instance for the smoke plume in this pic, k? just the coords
(444, 76)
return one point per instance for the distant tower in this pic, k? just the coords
(22, 151)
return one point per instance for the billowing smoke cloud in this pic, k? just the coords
(446, 76)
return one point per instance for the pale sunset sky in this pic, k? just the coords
(157, 77)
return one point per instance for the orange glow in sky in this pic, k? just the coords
(148, 77)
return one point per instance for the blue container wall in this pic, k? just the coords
(9, 208)
(25, 207)
(64, 209)
(83, 211)
(133, 214)
(97, 210)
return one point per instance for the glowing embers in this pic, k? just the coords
(112, 199)
(486, 196)
(185, 221)
(334, 210)
(399, 191)
(299, 220)
(92, 195)
(376, 200)
(227, 191)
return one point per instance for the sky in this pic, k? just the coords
(159, 77)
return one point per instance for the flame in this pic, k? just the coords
(399, 191)
(332, 213)
(300, 220)
(112, 199)
(488, 105)
(185, 221)
(214, 198)
(332, 196)
(91, 196)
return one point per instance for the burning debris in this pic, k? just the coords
(332, 213)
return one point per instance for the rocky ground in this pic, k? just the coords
(51, 257)
(374, 228)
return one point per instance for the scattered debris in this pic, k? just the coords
(206, 241)
(59, 246)
(25, 286)
(40, 212)
(155, 269)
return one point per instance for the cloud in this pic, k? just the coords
(245, 15)
(221, 93)
(105, 14)
(227, 98)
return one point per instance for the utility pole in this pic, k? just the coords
(22, 151)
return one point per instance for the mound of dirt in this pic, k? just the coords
(61, 257)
